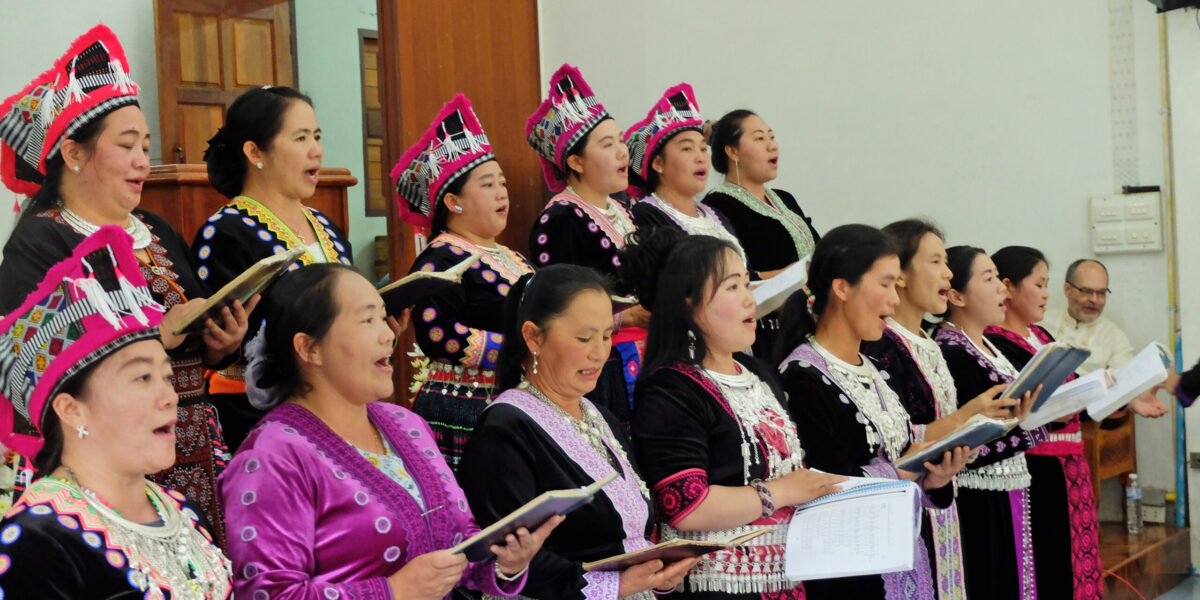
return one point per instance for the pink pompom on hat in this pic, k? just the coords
(675, 111)
(88, 82)
(569, 113)
(90, 305)
(453, 145)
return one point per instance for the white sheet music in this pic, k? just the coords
(1145, 370)
(1070, 398)
(860, 535)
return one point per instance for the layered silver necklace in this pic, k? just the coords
(877, 404)
(594, 429)
(929, 359)
(174, 552)
(758, 411)
(136, 228)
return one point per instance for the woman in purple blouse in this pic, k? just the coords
(334, 494)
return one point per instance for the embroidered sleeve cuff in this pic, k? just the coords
(680, 494)
(601, 585)
(376, 588)
(881, 468)
(482, 350)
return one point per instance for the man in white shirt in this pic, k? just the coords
(1084, 325)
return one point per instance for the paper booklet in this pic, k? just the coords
(869, 527)
(1050, 367)
(977, 431)
(250, 282)
(770, 294)
(672, 551)
(622, 303)
(530, 516)
(1146, 369)
(411, 288)
(1070, 398)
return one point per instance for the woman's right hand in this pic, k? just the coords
(1027, 401)
(172, 318)
(651, 575)
(429, 576)
(990, 404)
(803, 485)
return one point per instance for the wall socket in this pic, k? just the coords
(1194, 460)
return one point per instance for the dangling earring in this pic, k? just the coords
(691, 345)
(81, 431)
(535, 363)
(736, 169)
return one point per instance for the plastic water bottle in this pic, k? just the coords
(1133, 505)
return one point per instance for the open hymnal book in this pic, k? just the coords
(1146, 369)
(530, 516)
(1050, 367)
(1070, 398)
(770, 294)
(977, 431)
(669, 552)
(869, 527)
(407, 290)
(250, 282)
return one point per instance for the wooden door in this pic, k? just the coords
(488, 50)
(209, 52)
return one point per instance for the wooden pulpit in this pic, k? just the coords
(181, 195)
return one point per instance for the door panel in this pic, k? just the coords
(209, 52)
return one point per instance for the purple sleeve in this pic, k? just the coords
(270, 518)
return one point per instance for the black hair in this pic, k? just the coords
(256, 116)
(48, 195)
(301, 301)
(50, 456)
(907, 235)
(670, 271)
(580, 150)
(540, 298)
(727, 131)
(1074, 266)
(1015, 263)
(960, 260)
(846, 252)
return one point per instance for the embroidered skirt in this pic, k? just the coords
(450, 400)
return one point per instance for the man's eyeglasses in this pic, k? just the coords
(1090, 292)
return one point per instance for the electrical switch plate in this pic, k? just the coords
(1126, 223)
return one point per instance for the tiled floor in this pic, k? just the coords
(1188, 590)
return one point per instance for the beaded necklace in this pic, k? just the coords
(174, 552)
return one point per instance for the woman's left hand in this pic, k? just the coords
(221, 340)
(519, 547)
(941, 473)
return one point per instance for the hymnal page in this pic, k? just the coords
(248, 283)
(863, 535)
(770, 294)
(1070, 398)
(1145, 370)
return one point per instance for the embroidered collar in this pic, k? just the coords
(502, 259)
(600, 217)
(275, 225)
(932, 365)
(774, 208)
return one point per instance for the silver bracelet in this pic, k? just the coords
(509, 578)
(764, 495)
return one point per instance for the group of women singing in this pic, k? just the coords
(283, 475)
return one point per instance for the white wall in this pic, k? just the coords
(991, 118)
(32, 42)
(331, 73)
(1184, 46)
(327, 59)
